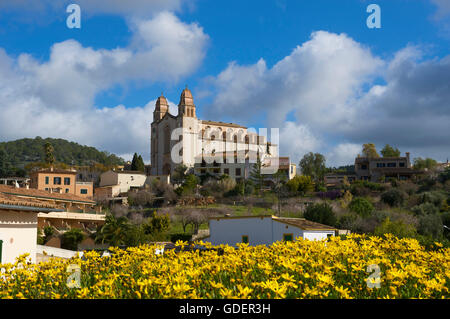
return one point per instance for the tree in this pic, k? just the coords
(137, 164)
(320, 213)
(179, 174)
(389, 151)
(5, 164)
(157, 225)
(114, 231)
(369, 150)
(49, 158)
(313, 165)
(393, 197)
(300, 183)
(361, 206)
(428, 163)
(396, 228)
(256, 175)
(71, 238)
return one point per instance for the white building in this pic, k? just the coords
(185, 139)
(264, 230)
(18, 226)
(122, 181)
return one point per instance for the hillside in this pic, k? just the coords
(15, 155)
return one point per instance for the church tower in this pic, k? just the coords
(186, 106)
(161, 108)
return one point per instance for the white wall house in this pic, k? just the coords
(264, 230)
(18, 227)
(124, 179)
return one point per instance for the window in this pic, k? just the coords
(401, 164)
(381, 164)
(288, 237)
(46, 189)
(66, 180)
(67, 190)
(216, 170)
(363, 166)
(57, 180)
(47, 180)
(245, 239)
(238, 172)
(83, 191)
(226, 171)
(391, 164)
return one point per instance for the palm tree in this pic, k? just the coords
(114, 231)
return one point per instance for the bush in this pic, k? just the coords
(435, 198)
(393, 197)
(361, 206)
(71, 238)
(431, 226)
(180, 236)
(425, 209)
(301, 184)
(396, 228)
(320, 213)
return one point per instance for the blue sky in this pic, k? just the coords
(347, 84)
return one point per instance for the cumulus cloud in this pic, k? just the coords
(296, 140)
(56, 97)
(340, 91)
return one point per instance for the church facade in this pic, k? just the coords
(199, 144)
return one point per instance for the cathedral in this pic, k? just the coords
(203, 146)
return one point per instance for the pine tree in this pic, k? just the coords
(134, 162)
(49, 158)
(140, 164)
(256, 176)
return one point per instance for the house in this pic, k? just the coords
(19, 224)
(69, 202)
(60, 181)
(282, 164)
(376, 169)
(264, 230)
(121, 181)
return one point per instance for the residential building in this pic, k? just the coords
(188, 140)
(280, 164)
(264, 230)
(19, 224)
(336, 179)
(60, 181)
(379, 168)
(115, 182)
(69, 202)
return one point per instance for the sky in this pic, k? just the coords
(312, 69)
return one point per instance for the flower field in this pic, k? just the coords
(301, 269)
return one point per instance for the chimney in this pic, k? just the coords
(408, 163)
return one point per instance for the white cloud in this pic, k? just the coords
(443, 8)
(343, 154)
(56, 97)
(296, 140)
(328, 85)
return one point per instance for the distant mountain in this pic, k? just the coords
(15, 155)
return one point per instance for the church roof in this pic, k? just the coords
(161, 101)
(186, 98)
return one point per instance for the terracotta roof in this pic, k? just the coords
(221, 124)
(40, 194)
(303, 223)
(55, 171)
(367, 159)
(28, 202)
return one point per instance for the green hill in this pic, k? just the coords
(15, 155)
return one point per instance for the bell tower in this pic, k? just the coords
(161, 108)
(186, 106)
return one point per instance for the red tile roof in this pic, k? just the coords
(40, 194)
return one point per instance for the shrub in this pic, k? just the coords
(300, 183)
(431, 226)
(393, 197)
(361, 206)
(180, 236)
(347, 221)
(425, 209)
(346, 199)
(435, 198)
(320, 213)
(396, 228)
(71, 238)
